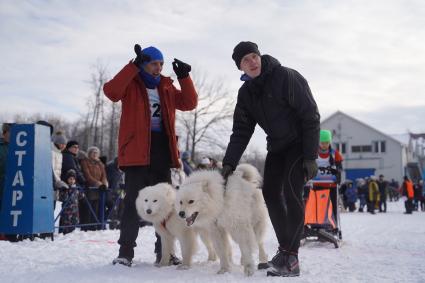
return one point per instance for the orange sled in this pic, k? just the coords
(320, 221)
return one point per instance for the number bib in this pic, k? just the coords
(155, 106)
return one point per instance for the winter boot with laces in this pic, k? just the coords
(284, 264)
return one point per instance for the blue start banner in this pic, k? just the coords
(27, 203)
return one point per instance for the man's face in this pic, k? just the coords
(154, 68)
(74, 149)
(251, 65)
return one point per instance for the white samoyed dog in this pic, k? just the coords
(236, 208)
(156, 204)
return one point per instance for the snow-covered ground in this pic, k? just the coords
(377, 248)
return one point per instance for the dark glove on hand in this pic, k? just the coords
(310, 169)
(103, 187)
(181, 69)
(141, 58)
(226, 171)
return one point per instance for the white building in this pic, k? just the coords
(367, 151)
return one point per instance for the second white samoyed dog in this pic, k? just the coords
(237, 208)
(156, 204)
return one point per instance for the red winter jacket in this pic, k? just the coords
(135, 124)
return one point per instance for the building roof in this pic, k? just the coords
(401, 142)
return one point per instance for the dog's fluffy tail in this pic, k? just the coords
(249, 173)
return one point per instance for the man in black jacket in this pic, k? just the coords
(70, 161)
(280, 101)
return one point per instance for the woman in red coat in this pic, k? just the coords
(147, 141)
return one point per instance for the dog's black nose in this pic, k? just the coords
(181, 214)
(149, 211)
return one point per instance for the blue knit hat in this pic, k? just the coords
(154, 53)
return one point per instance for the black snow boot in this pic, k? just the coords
(284, 264)
(123, 261)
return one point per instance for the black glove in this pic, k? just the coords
(226, 171)
(141, 58)
(310, 169)
(103, 187)
(181, 69)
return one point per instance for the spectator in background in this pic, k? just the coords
(421, 184)
(362, 192)
(383, 192)
(373, 202)
(418, 194)
(4, 145)
(58, 144)
(116, 184)
(70, 161)
(351, 196)
(214, 163)
(69, 197)
(94, 172)
(187, 164)
(408, 192)
(393, 190)
(114, 175)
(205, 164)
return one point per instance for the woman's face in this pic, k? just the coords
(94, 155)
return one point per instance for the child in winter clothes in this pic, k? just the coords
(351, 196)
(69, 198)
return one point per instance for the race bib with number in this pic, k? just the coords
(155, 105)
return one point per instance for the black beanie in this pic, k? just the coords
(71, 143)
(243, 48)
(70, 173)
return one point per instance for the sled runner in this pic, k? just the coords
(322, 221)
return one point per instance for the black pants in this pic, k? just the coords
(282, 191)
(383, 204)
(137, 178)
(408, 204)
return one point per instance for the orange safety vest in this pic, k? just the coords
(409, 189)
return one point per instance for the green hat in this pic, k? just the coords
(325, 136)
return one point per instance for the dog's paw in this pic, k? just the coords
(163, 263)
(223, 270)
(212, 257)
(249, 270)
(183, 267)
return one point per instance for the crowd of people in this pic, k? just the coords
(371, 194)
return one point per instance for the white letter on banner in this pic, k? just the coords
(17, 195)
(20, 153)
(18, 179)
(20, 142)
(15, 214)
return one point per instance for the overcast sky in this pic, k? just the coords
(365, 58)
